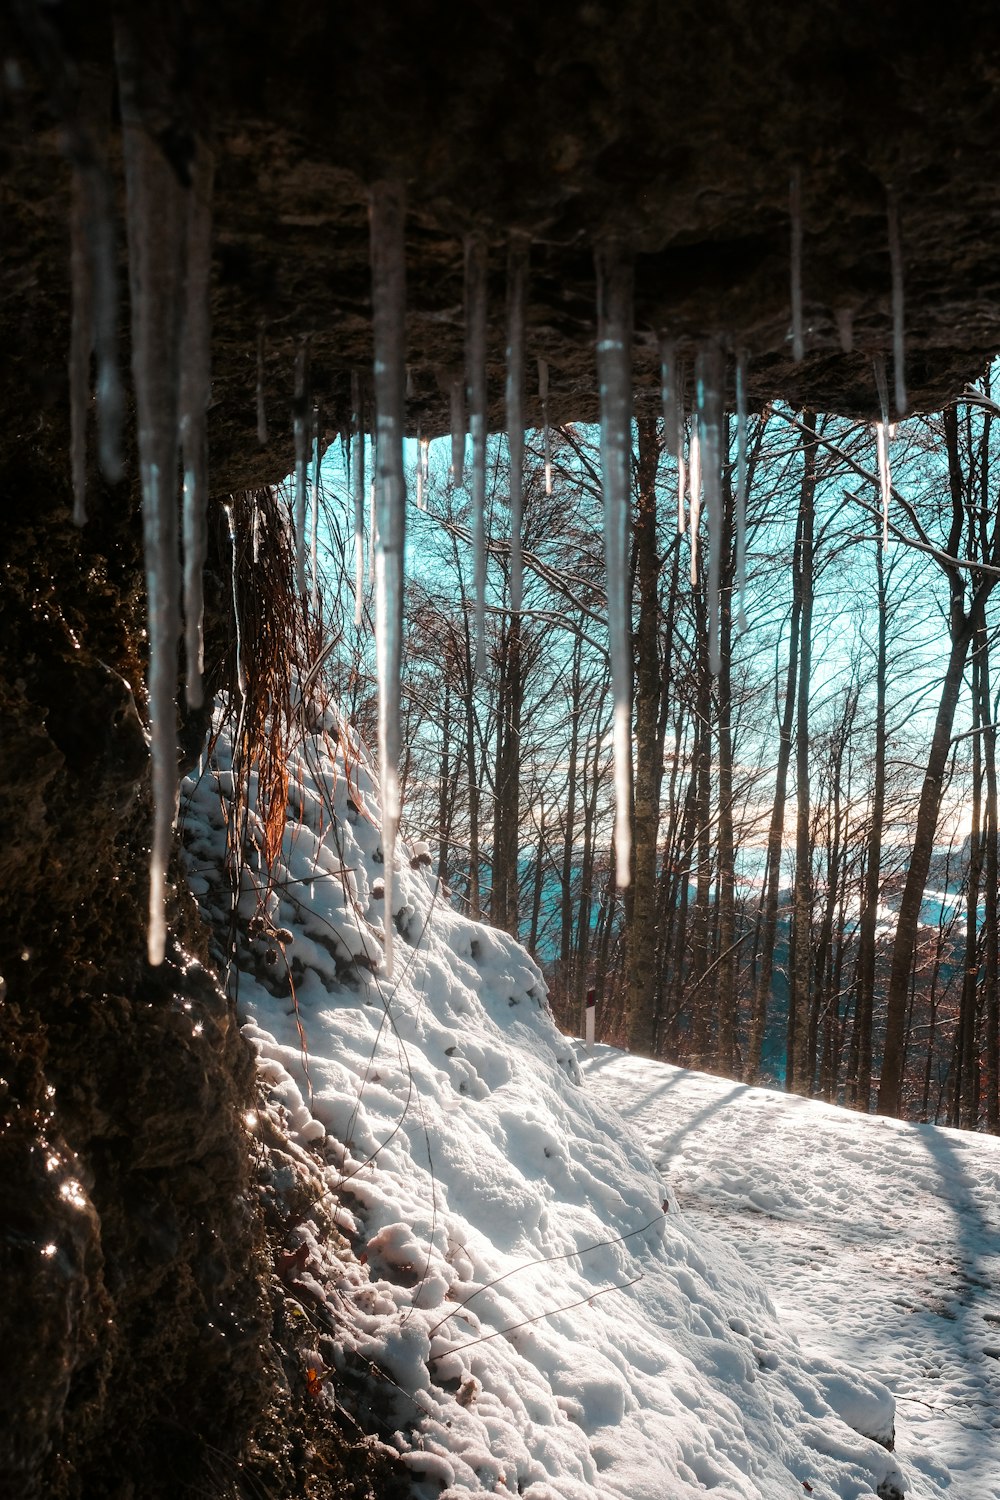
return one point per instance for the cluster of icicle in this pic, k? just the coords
(883, 427)
(169, 253)
(169, 236)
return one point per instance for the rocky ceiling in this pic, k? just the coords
(675, 127)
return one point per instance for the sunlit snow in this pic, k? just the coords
(633, 1282)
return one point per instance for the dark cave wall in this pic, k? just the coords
(134, 1321)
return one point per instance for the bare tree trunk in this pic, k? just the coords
(964, 1097)
(569, 839)
(728, 953)
(539, 880)
(962, 628)
(799, 1063)
(472, 772)
(859, 1082)
(772, 879)
(698, 989)
(641, 936)
(991, 916)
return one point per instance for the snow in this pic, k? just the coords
(878, 1240)
(625, 1281)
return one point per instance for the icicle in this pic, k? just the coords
(845, 329)
(517, 277)
(261, 411)
(458, 432)
(668, 395)
(423, 470)
(314, 539)
(476, 268)
(898, 325)
(543, 396)
(694, 478)
(372, 518)
(709, 376)
(420, 471)
(194, 396)
(94, 241)
(241, 681)
(358, 488)
(882, 431)
(681, 434)
(614, 371)
(681, 485)
(301, 429)
(80, 347)
(93, 263)
(795, 209)
(741, 487)
(387, 220)
(157, 214)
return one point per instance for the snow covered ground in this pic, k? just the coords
(552, 1277)
(878, 1241)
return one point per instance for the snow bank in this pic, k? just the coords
(543, 1319)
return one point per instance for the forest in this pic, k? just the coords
(813, 885)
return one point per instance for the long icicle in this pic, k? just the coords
(741, 487)
(898, 324)
(681, 433)
(387, 225)
(194, 397)
(882, 444)
(668, 396)
(94, 273)
(419, 472)
(614, 373)
(81, 345)
(476, 267)
(543, 396)
(98, 196)
(709, 376)
(795, 212)
(423, 470)
(358, 489)
(457, 399)
(517, 278)
(314, 514)
(301, 430)
(157, 215)
(694, 483)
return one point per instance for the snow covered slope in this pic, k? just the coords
(553, 1324)
(879, 1242)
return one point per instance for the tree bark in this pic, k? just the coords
(642, 934)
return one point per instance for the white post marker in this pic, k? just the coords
(591, 1014)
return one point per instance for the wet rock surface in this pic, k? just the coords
(142, 1343)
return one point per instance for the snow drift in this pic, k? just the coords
(541, 1318)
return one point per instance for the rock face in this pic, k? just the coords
(129, 1245)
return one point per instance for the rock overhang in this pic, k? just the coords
(676, 130)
